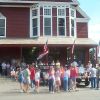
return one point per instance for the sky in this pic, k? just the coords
(92, 9)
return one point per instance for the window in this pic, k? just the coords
(34, 12)
(2, 25)
(47, 26)
(61, 12)
(72, 21)
(35, 27)
(72, 27)
(72, 13)
(35, 22)
(61, 22)
(47, 11)
(47, 21)
(61, 26)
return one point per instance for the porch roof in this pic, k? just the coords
(51, 40)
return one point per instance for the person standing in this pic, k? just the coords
(98, 77)
(3, 68)
(51, 79)
(92, 72)
(66, 78)
(73, 76)
(37, 80)
(26, 79)
(57, 79)
(32, 75)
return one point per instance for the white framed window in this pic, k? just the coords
(61, 26)
(35, 25)
(61, 12)
(72, 13)
(47, 26)
(61, 21)
(72, 22)
(47, 21)
(34, 12)
(47, 11)
(2, 26)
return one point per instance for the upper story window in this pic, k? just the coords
(2, 26)
(73, 29)
(61, 17)
(35, 22)
(47, 12)
(47, 18)
(61, 12)
(72, 13)
(34, 12)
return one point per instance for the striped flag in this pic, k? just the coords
(73, 46)
(45, 51)
(98, 49)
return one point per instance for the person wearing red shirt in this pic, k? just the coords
(73, 76)
(32, 76)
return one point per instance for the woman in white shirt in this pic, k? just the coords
(37, 80)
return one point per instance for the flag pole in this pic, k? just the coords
(72, 50)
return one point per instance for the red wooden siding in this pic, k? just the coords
(78, 15)
(67, 11)
(41, 21)
(82, 30)
(67, 26)
(41, 11)
(17, 21)
(41, 25)
(54, 21)
(54, 11)
(54, 26)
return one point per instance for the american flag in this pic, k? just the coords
(45, 51)
(73, 46)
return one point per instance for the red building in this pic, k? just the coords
(25, 26)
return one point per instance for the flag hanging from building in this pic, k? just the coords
(45, 51)
(98, 49)
(73, 46)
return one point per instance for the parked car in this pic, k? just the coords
(83, 77)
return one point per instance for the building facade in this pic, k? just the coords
(25, 25)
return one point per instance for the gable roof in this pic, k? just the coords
(82, 12)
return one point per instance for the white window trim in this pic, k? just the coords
(47, 16)
(3, 17)
(31, 22)
(70, 17)
(65, 21)
(38, 24)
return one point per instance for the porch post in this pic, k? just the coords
(87, 56)
(21, 53)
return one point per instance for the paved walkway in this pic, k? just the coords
(9, 90)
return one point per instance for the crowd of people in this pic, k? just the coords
(56, 77)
